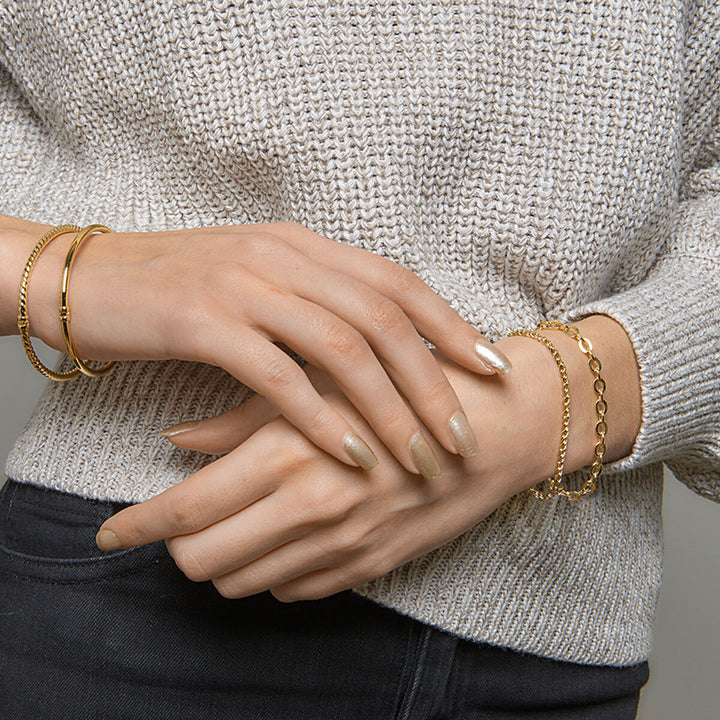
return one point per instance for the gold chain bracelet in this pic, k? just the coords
(554, 484)
(23, 318)
(600, 406)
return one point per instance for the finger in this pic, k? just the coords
(401, 351)
(220, 489)
(262, 366)
(332, 344)
(297, 509)
(434, 319)
(237, 540)
(221, 434)
(279, 566)
(322, 582)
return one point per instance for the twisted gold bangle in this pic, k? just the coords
(81, 365)
(554, 484)
(23, 321)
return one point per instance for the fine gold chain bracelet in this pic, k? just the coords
(599, 387)
(554, 484)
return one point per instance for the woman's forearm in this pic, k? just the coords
(226, 295)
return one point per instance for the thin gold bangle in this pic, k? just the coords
(601, 427)
(554, 484)
(81, 365)
(23, 319)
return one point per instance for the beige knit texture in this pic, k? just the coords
(529, 159)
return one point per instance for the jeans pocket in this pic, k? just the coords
(47, 534)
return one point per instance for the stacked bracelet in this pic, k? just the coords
(554, 484)
(23, 319)
(601, 427)
(64, 312)
(81, 365)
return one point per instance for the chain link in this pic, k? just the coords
(554, 484)
(599, 387)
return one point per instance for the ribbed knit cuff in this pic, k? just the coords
(673, 321)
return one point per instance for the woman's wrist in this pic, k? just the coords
(19, 237)
(613, 348)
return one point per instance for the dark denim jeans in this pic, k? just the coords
(125, 636)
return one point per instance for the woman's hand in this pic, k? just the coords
(278, 513)
(226, 295)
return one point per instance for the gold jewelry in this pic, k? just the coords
(23, 319)
(81, 365)
(600, 406)
(554, 484)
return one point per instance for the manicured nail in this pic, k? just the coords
(108, 540)
(181, 428)
(358, 450)
(494, 359)
(463, 435)
(424, 457)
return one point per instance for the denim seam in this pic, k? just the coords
(420, 656)
(89, 516)
(87, 581)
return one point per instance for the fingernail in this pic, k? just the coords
(358, 450)
(181, 428)
(495, 359)
(463, 435)
(424, 457)
(108, 540)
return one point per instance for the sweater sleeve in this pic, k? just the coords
(673, 321)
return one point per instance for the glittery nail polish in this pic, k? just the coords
(463, 435)
(424, 457)
(496, 360)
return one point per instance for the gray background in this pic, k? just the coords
(684, 678)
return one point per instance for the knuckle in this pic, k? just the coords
(348, 576)
(342, 341)
(386, 316)
(225, 277)
(301, 450)
(287, 594)
(349, 541)
(264, 244)
(281, 373)
(402, 280)
(397, 421)
(438, 393)
(327, 502)
(187, 559)
(319, 424)
(186, 514)
(225, 587)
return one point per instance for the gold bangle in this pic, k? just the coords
(23, 319)
(600, 406)
(81, 365)
(554, 484)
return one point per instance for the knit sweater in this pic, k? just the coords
(528, 159)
